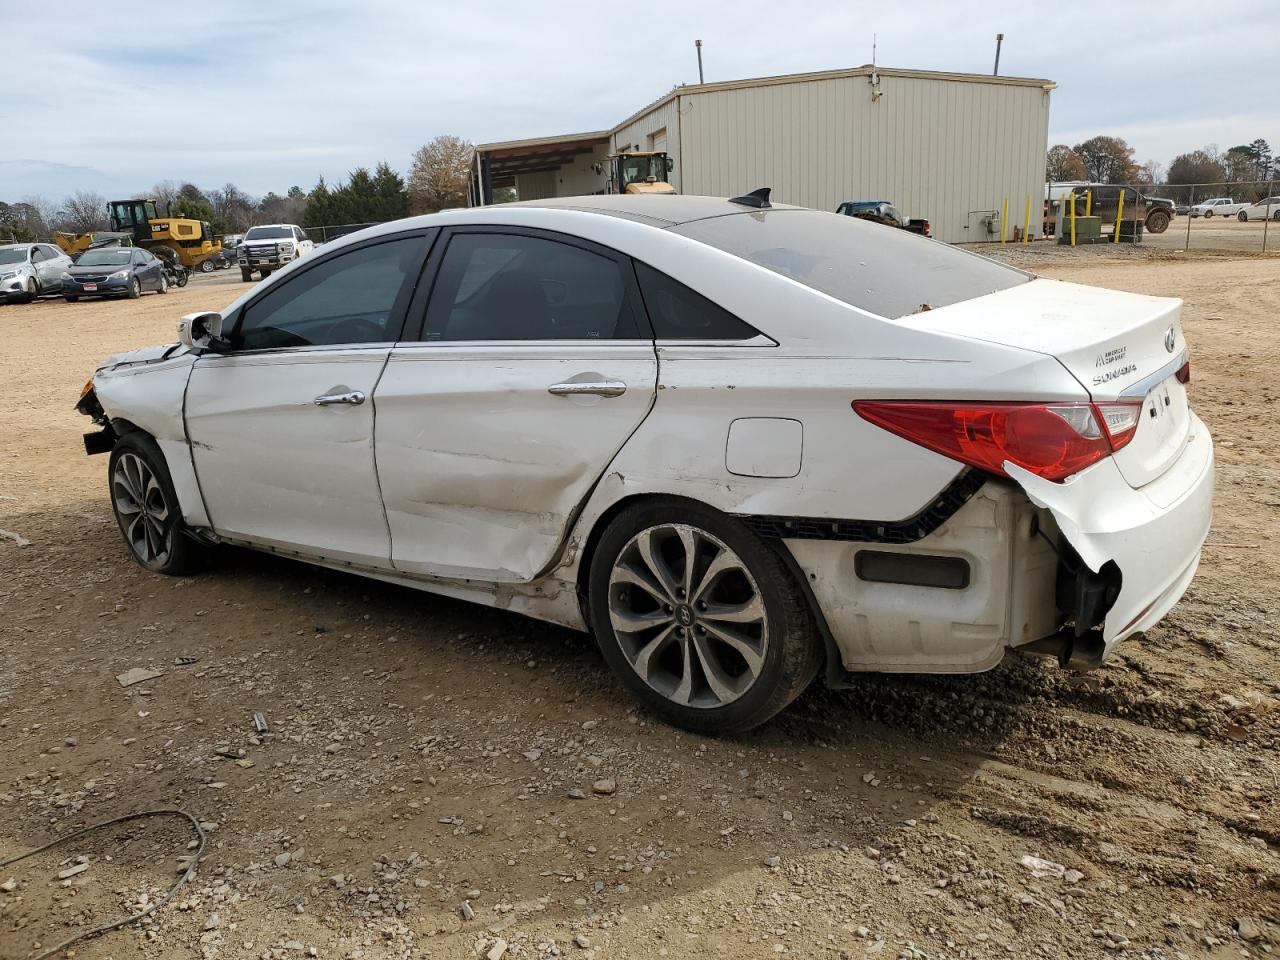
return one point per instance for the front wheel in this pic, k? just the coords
(265, 274)
(1242, 216)
(206, 266)
(246, 275)
(147, 510)
(135, 289)
(700, 618)
(1208, 214)
(1158, 222)
(32, 291)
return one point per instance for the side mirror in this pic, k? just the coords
(201, 331)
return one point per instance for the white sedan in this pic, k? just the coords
(1264, 208)
(742, 444)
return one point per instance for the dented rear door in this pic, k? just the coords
(533, 367)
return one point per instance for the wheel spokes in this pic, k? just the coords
(750, 612)
(718, 679)
(651, 554)
(644, 660)
(724, 561)
(746, 648)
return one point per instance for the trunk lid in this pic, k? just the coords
(1120, 346)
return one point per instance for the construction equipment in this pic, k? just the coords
(137, 223)
(640, 172)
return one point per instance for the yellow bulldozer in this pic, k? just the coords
(137, 223)
(640, 172)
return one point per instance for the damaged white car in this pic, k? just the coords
(742, 444)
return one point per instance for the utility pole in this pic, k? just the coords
(698, 44)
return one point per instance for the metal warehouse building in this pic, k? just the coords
(951, 147)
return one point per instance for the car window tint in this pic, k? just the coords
(510, 287)
(678, 313)
(878, 268)
(346, 299)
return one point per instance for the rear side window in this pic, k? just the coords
(878, 268)
(348, 299)
(678, 313)
(516, 287)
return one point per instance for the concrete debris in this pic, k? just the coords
(137, 675)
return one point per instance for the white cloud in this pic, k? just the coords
(270, 95)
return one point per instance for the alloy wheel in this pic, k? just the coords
(688, 615)
(142, 509)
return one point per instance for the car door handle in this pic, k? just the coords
(588, 388)
(354, 397)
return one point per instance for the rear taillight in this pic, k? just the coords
(1184, 373)
(1051, 440)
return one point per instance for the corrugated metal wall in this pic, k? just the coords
(640, 134)
(536, 186)
(942, 149)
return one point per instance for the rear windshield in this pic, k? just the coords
(874, 267)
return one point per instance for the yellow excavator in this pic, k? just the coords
(640, 172)
(137, 223)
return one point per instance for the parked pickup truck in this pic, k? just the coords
(1156, 213)
(882, 211)
(270, 246)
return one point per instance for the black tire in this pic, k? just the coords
(156, 542)
(207, 266)
(1276, 215)
(1208, 214)
(246, 275)
(1242, 217)
(265, 274)
(1157, 221)
(32, 291)
(792, 651)
(71, 299)
(164, 284)
(135, 289)
(183, 277)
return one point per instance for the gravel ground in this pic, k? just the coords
(444, 780)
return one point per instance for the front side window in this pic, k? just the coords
(347, 299)
(38, 254)
(678, 313)
(514, 287)
(880, 269)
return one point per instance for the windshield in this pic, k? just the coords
(880, 269)
(269, 233)
(635, 169)
(104, 258)
(13, 254)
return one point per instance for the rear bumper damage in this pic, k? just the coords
(1152, 535)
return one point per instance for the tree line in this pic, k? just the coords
(1111, 160)
(439, 177)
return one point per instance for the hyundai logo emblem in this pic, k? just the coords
(1170, 339)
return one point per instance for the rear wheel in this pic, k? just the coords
(135, 289)
(1276, 215)
(207, 266)
(700, 618)
(164, 284)
(1158, 221)
(147, 511)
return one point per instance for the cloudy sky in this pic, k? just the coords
(266, 95)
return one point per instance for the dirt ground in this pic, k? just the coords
(443, 780)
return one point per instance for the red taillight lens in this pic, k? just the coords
(1184, 373)
(1053, 440)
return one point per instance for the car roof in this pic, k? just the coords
(659, 210)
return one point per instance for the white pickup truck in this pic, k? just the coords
(270, 246)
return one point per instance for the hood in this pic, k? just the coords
(22, 266)
(143, 355)
(80, 270)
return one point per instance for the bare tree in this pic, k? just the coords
(441, 175)
(165, 194)
(1152, 171)
(84, 212)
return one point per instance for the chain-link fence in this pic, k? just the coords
(325, 234)
(1228, 217)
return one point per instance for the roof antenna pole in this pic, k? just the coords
(698, 44)
(999, 40)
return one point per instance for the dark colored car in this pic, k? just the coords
(114, 272)
(882, 211)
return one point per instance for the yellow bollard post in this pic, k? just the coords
(1026, 225)
(1119, 217)
(1071, 199)
(1004, 221)
(1088, 203)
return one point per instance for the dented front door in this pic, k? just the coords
(485, 450)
